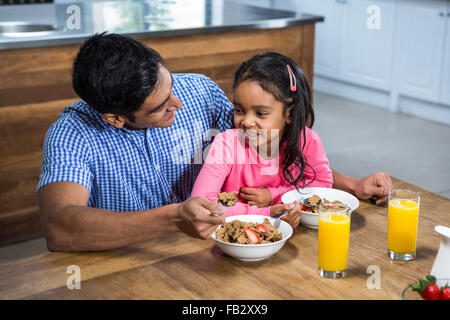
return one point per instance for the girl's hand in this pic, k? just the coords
(293, 217)
(259, 197)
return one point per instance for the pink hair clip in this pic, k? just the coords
(292, 80)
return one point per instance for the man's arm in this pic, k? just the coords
(70, 225)
(376, 186)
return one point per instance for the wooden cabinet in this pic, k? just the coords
(421, 34)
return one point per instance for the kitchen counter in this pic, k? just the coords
(180, 267)
(76, 20)
(209, 37)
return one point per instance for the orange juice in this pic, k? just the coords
(403, 217)
(334, 233)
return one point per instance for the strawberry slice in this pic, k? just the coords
(252, 236)
(261, 228)
(303, 208)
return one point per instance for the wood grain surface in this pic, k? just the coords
(179, 267)
(36, 85)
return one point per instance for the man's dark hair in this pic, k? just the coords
(115, 74)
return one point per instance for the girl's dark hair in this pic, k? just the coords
(270, 71)
(115, 74)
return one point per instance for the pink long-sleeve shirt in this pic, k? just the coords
(231, 164)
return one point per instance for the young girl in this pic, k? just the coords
(272, 149)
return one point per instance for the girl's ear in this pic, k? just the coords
(288, 114)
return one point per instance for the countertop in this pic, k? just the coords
(180, 267)
(77, 20)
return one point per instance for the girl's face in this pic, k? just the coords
(258, 114)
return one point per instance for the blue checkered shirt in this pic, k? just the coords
(128, 170)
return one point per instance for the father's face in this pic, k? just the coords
(159, 108)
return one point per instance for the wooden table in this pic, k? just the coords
(179, 267)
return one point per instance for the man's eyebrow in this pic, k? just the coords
(165, 100)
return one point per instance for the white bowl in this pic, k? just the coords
(309, 219)
(254, 252)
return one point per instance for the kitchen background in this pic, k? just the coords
(381, 78)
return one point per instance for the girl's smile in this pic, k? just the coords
(260, 116)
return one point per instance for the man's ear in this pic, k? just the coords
(115, 120)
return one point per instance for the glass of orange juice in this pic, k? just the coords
(403, 220)
(334, 234)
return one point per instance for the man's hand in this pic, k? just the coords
(375, 186)
(195, 220)
(259, 197)
(293, 217)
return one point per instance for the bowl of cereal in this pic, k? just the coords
(251, 237)
(314, 197)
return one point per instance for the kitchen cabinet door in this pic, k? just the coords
(445, 87)
(367, 47)
(421, 34)
(327, 35)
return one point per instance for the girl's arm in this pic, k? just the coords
(213, 174)
(263, 197)
(277, 192)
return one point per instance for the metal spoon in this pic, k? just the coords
(305, 202)
(222, 204)
(216, 214)
(278, 217)
(225, 205)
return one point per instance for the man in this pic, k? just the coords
(111, 171)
